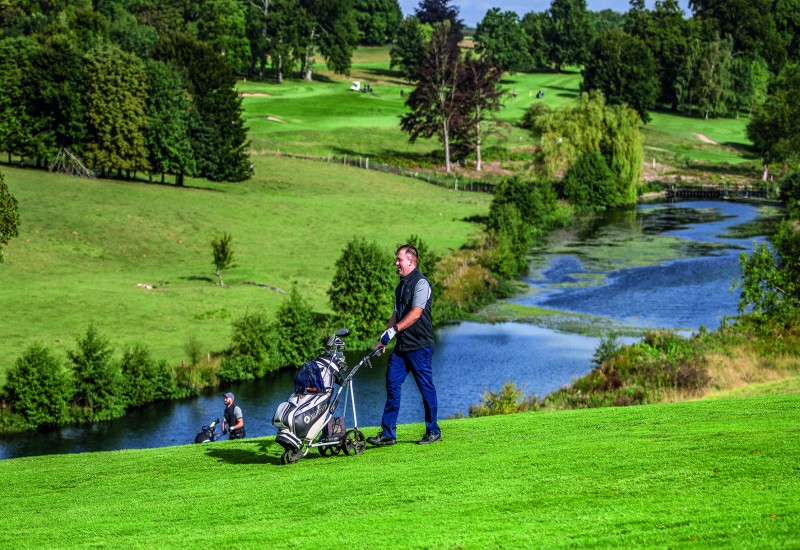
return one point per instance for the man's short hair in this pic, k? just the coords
(410, 250)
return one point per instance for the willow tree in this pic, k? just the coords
(591, 125)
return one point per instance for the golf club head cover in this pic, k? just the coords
(388, 334)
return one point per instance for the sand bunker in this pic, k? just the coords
(275, 119)
(701, 137)
(245, 94)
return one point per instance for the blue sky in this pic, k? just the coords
(472, 11)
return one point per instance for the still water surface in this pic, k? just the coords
(470, 358)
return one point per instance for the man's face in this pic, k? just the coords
(403, 263)
(228, 401)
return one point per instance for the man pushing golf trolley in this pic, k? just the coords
(307, 419)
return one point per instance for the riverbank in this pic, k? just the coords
(717, 474)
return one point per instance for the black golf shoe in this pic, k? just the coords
(430, 438)
(381, 440)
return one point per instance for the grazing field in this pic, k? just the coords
(712, 474)
(85, 245)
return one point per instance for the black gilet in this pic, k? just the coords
(420, 334)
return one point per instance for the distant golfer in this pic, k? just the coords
(232, 420)
(411, 323)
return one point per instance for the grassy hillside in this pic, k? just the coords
(705, 474)
(85, 245)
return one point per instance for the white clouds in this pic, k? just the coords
(473, 11)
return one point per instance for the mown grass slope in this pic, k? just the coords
(705, 474)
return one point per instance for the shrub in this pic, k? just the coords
(98, 391)
(37, 388)
(295, 330)
(509, 399)
(532, 119)
(253, 350)
(194, 350)
(770, 281)
(608, 347)
(589, 183)
(145, 379)
(362, 290)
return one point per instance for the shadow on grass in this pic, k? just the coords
(391, 77)
(197, 278)
(250, 452)
(401, 158)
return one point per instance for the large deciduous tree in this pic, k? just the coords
(622, 67)
(774, 129)
(329, 27)
(115, 98)
(408, 48)
(500, 37)
(532, 25)
(766, 28)
(377, 20)
(567, 32)
(478, 95)
(714, 91)
(667, 34)
(434, 105)
(222, 25)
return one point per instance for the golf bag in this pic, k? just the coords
(302, 417)
(207, 433)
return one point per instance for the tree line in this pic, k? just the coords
(714, 63)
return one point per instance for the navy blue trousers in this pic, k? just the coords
(418, 363)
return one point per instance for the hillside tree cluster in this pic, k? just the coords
(713, 62)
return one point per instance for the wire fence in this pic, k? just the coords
(448, 181)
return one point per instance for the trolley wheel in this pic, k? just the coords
(324, 450)
(290, 457)
(354, 442)
(335, 449)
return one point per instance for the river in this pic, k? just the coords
(658, 266)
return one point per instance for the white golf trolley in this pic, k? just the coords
(307, 419)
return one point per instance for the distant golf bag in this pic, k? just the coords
(310, 410)
(207, 433)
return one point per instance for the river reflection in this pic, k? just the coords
(471, 357)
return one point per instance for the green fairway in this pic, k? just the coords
(324, 117)
(713, 474)
(85, 245)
